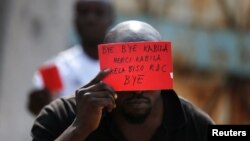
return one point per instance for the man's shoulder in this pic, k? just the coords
(69, 54)
(54, 118)
(65, 55)
(62, 62)
(62, 104)
(193, 112)
(185, 110)
(72, 52)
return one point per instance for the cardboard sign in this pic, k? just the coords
(51, 78)
(137, 65)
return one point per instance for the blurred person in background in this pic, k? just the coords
(70, 69)
(97, 112)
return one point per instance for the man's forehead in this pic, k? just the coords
(132, 31)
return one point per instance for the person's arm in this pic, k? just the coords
(38, 96)
(91, 99)
(90, 102)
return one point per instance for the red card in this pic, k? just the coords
(51, 78)
(137, 65)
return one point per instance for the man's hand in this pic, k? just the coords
(37, 100)
(91, 100)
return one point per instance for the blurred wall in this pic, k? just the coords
(211, 47)
(3, 15)
(35, 31)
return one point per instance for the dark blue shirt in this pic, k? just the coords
(182, 121)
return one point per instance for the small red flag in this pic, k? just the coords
(51, 78)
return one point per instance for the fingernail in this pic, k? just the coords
(107, 70)
(115, 96)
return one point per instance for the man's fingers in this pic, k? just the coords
(108, 88)
(103, 103)
(101, 86)
(100, 76)
(101, 94)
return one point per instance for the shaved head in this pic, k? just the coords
(132, 31)
(134, 106)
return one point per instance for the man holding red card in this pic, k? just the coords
(132, 111)
(76, 66)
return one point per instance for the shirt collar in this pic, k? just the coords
(174, 116)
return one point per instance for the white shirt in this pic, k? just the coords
(75, 69)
